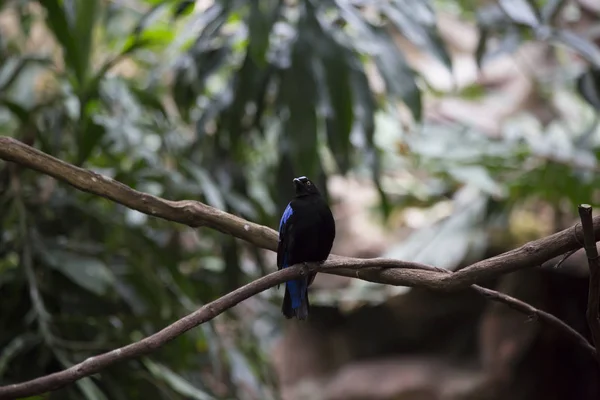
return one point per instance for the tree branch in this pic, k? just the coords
(187, 212)
(591, 251)
(94, 364)
(196, 214)
(209, 311)
(533, 312)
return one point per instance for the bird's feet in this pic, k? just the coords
(305, 269)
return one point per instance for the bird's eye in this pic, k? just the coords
(308, 183)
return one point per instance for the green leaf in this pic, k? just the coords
(75, 37)
(155, 38)
(457, 236)
(153, 15)
(175, 381)
(87, 12)
(184, 8)
(19, 344)
(476, 176)
(89, 137)
(481, 45)
(90, 390)
(90, 273)
(210, 111)
(509, 43)
(416, 20)
(364, 102)
(192, 74)
(354, 19)
(156, 2)
(588, 86)
(61, 28)
(551, 9)
(262, 16)
(398, 76)
(18, 110)
(335, 88)
(211, 191)
(384, 205)
(339, 122)
(584, 47)
(521, 11)
(245, 86)
(149, 98)
(19, 66)
(299, 100)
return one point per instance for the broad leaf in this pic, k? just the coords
(89, 273)
(175, 381)
(521, 11)
(399, 77)
(416, 21)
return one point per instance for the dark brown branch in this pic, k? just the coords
(562, 260)
(591, 251)
(95, 364)
(193, 213)
(529, 310)
(543, 316)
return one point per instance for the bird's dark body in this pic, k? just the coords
(306, 234)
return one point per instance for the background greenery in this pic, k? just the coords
(226, 102)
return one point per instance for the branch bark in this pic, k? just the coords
(535, 313)
(591, 251)
(94, 364)
(196, 214)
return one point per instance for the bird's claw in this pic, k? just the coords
(305, 270)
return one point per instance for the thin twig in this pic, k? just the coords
(95, 364)
(543, 316)
(593, 317)
(529, 310)
(563, 259)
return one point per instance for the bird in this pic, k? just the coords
(306, 235)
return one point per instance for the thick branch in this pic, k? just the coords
(187, 212)
(97, 363)
(195, 214)
(593, 315)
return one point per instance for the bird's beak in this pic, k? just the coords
(297, 183)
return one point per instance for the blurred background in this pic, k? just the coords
(442, 132)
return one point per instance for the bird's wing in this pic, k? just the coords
(328, 223)
(285, 225)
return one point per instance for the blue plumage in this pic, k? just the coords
(294, 287)
(287, 213)
(306, 234)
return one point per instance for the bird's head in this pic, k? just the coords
(304, 187)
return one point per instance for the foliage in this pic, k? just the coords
(225, 104)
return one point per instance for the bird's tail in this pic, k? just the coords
(295, 300)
